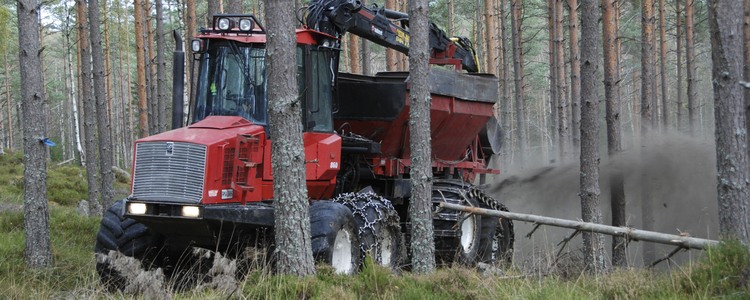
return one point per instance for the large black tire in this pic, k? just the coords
(127, 236)
(378, 227)
(457, 234)
(334, 236)
(497, 236)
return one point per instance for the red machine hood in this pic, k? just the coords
(212, 129)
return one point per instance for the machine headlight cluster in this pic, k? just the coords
(224, 23)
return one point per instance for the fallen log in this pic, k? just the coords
(629, 233)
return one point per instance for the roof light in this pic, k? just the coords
(246, 24)
(224, 23)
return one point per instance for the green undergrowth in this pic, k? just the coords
(66, 184)
(722, 273)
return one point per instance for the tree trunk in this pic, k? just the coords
(36, 216)
(151, 80)
(505, 80)
(647, 103)
(554, 94)
(89, 110)
(190, 33)
(235, 6)
(492, 44)
(692, 81)
(102, 115)
(746, 33)
(614, 131)
(420, 204)
(355, 64)
(161, 66)
(515, 22)
(593, 244)
(678, 26)
(575, 75)
(562, 98)
(72, 93)
(213, 7)
(391, 58)
(141, 62)
(292, 220)
(8, 99)
(451, 18)
(727, 55)
(663, 67)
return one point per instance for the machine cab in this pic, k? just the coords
(231, 80)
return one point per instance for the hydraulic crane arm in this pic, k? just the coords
(337, 17)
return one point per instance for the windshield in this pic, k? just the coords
(232, 82)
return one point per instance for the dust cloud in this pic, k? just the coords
(681, 173)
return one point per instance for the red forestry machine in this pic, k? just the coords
(210, 184)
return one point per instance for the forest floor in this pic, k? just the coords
(723, 272)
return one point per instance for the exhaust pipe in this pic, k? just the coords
(178, 82)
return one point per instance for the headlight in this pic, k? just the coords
(246, 24)
(137, 208)
(196, 45)
(191, 211)
(224, 24)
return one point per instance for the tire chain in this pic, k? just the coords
(386, 214)
(471, 191)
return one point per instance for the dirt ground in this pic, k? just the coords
(680, 170)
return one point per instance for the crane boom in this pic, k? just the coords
(337, 17)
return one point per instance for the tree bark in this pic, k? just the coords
(746, 33)
(292, 220)
(562, 98)
(515, 22)
(213, 7)
(505, 80)
(102, 115)
(355, 64)
(690, 66)
(391, 58)
(614, 131)
(420, 204)
(161, 66)
(663, 67)
(647, 103)
(593, 244)
(678, 52)
(141, 62)
(36, 216)
(727, 55)
(491, 29)
(554, 94)
(72, 93)
(89, 110)
(575, 75)
(235, 7)
(151, 80)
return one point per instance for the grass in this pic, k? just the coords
(723, 273)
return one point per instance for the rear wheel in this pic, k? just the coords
(334, 236)
(378, 227)
(128, 237)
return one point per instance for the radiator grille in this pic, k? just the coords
(169, 171)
